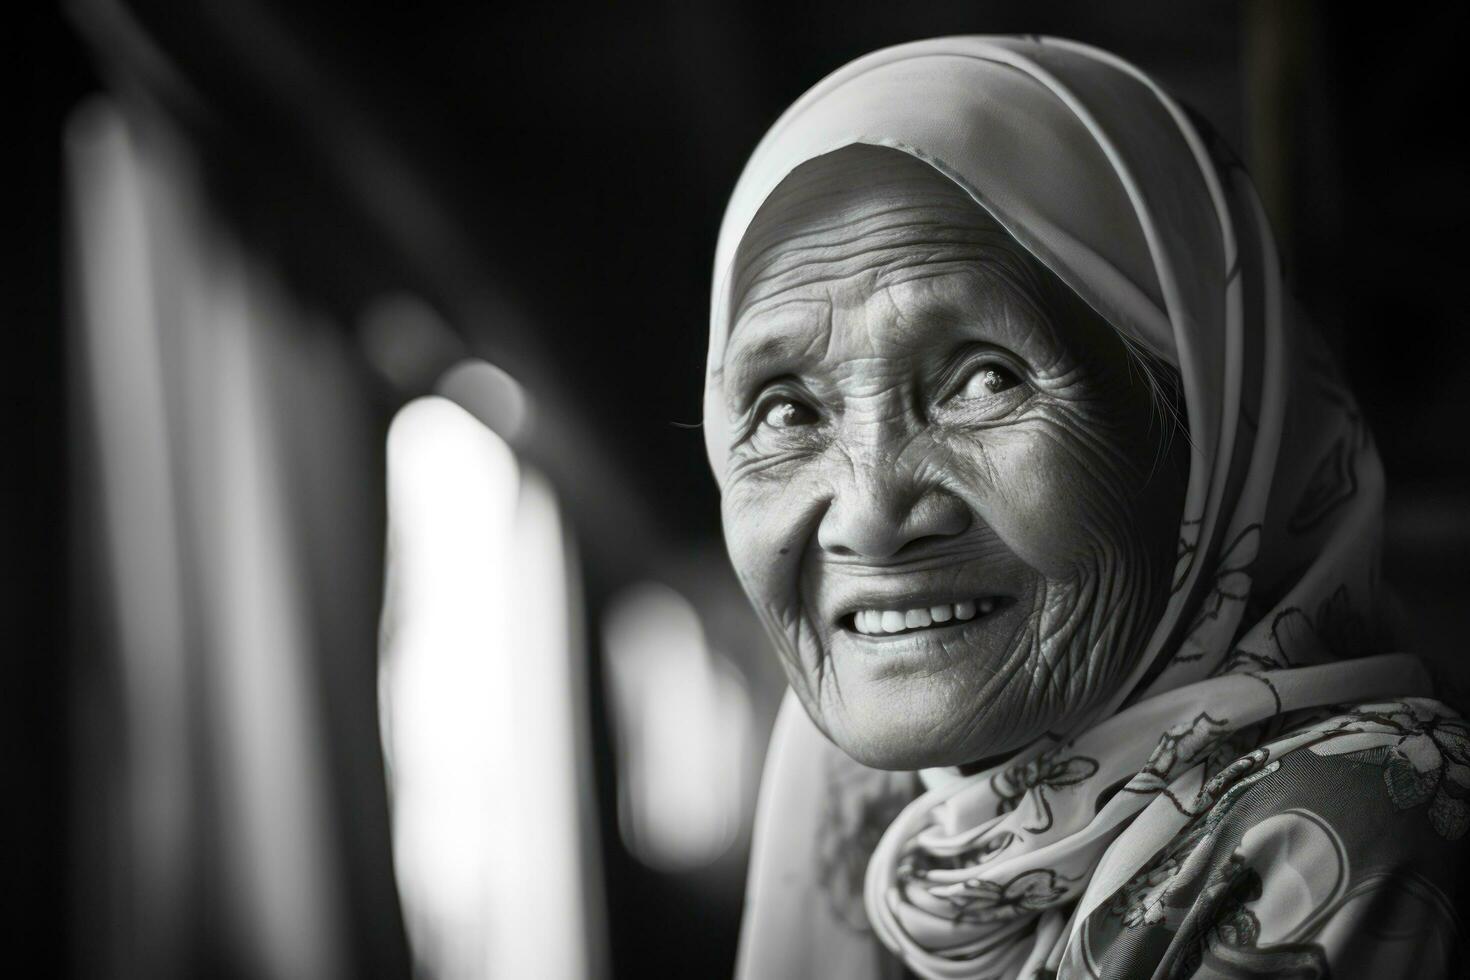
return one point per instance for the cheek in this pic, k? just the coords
(768, 524)
(768, 518)
(1043, 491)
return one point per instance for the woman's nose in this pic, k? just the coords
(880, 514)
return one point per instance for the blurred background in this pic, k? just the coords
(364, 588)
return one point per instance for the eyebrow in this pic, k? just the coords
(774, 340)
(1006, 279)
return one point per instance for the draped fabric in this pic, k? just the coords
(1271, 790)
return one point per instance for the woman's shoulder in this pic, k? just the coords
(1399, 767)
(1347, 847)
(1336, 849)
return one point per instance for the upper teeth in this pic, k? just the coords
(873, 621)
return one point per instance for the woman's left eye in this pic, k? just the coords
(989, 380)
(785, 413)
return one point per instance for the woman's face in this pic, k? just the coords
(947, 492)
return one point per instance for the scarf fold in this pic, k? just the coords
(1277, 607)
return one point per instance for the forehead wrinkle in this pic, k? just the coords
(856, 222)
(779, 248)
(1003, 293)
(885, 221)
(809, 266)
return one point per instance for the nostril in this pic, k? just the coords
(920, 543)
(859, 532)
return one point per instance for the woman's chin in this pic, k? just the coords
(927, 699)
(885, 731)
(897, 757)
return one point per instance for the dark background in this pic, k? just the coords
(552, 179)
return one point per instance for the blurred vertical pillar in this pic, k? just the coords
(1275, 32)
(137, 791)
(229, 786)
(1294, 153)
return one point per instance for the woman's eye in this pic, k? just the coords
(783, 413)
(991, 379)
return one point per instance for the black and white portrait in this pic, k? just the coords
(959, 492)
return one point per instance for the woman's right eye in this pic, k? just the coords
(990, 379)
(787, 413)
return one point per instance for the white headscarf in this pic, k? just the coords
(1106, 180)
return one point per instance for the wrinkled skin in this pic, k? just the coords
(921, 413)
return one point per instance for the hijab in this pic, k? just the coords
(1276, 607)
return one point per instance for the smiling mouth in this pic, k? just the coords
(895, 622)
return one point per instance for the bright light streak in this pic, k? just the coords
(483, 710)
(683, 718)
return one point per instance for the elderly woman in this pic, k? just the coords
(1067, 532)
